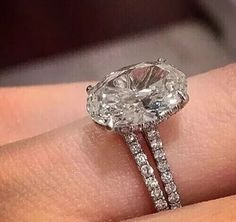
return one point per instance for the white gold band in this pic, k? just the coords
(153, 139)
(147, 171)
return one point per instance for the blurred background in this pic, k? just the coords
(46, 41)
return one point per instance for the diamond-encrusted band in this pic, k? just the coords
(147, 171)
(153, 139)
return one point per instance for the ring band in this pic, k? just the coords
(146, 171)
(134, 100)
(153, 139)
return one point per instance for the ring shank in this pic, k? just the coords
(153, 139)
(146, 171)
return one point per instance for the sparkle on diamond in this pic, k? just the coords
(136, 94)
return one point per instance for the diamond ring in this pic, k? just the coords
(133, 101)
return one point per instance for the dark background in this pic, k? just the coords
(32, 29)
(44, 42)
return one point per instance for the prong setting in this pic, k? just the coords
(89, 88)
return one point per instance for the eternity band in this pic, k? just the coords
(134, 100)
(153, 138)
(147, 171)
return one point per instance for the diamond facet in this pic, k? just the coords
(159, 155)
(170, 188)
(175, 205)
(163, 166)
(147, 170)
(135, 148)
(141, 159)
(166, 177)
(137, 94)
(173, 197)
(130, 138)
(156, 194)
(161, 204)
(152, 183)
(152, 134)
(156, 144)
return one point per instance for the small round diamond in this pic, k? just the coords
(152, 183)
(156, 144)
(152, 134)
(170, 188)
(175, 205)
(130, 138)
(159, 155)
(166, 177)
(163, 166)
(141, 159)
(161, 204)
(135, 148)
(147, 171)
(173, 197)
(156, 194)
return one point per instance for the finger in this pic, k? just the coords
(83, 171)
(29, 111)
(223, 209)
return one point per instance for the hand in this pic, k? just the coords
(81, 172)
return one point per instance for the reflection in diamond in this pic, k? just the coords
(137, 94)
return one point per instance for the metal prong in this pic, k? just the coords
(108, 128)
(161, 60)
(184, 97)
(88, 89)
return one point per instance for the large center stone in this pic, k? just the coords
(137, 94)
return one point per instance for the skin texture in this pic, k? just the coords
(29, 111)
(81, 172)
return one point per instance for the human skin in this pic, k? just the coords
(82, 172)
(32, 110)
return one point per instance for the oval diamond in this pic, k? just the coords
(137, 94)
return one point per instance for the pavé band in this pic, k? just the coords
(147, 171)
(136, 99)
(153, 138)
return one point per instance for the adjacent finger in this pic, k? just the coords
(216, 210)
(29, 111)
